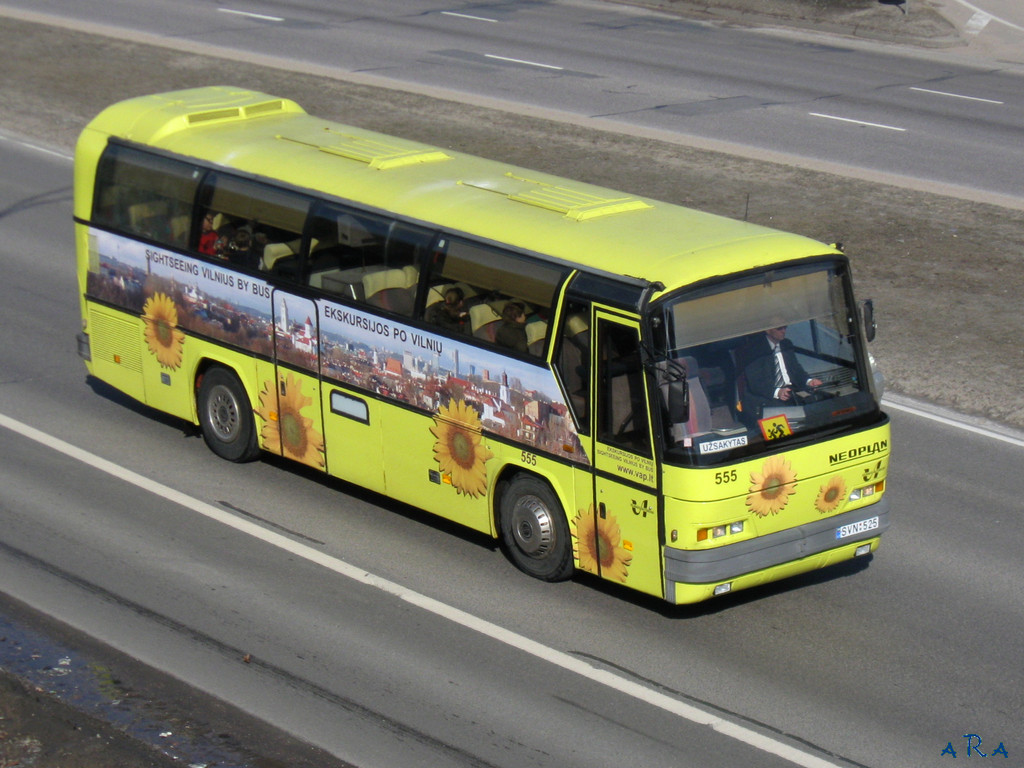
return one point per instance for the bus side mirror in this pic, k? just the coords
(870, 327)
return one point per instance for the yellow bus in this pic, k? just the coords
(669, 400)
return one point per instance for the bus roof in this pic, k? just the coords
(589, 225)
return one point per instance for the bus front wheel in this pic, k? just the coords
(534, 530)
(225, 416)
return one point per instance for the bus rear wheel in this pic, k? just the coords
(534, 530)
(225, 416)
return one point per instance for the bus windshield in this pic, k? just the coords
(745, 364)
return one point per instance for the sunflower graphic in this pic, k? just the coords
(460, 451)
(771, 488)
(284, 424)
(831, 495)
(597, 544)
(163, 337)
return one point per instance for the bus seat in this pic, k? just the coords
(374, 283)
(703, 415)
(436, 293)
(180, 228)
(272, 252)
(575, 325)
(483, 321)
(575, 359)
(536, 333)
(699, 420)
(401, 300)
(390, 289)
(397, 278)
(149, 218)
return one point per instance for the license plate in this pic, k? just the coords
(853, 529)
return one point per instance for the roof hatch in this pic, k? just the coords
(572, 203)
(381, 153)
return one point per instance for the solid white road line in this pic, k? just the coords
(857, 122)
(955, 95)
(250, 15)
(468, 16)
(520, 61)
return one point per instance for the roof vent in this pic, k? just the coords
(234, 113)
(382, 153)
(572, 203)
(210, 115)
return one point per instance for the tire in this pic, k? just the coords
(225, 416)
(534, 531)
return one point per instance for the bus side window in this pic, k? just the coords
(145, 195)
(573, 361)
(489, 280)
(366, 258)
(258, 226)
(396, 288)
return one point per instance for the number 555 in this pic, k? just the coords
(726, 476)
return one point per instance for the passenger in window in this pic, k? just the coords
(226, 233)
(246, 247)
(512, 331)
(209, 240)
(451, 313)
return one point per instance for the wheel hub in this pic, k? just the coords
(533, 527)
(223, 414)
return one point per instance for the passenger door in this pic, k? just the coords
(290, 407)
(625, 528)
